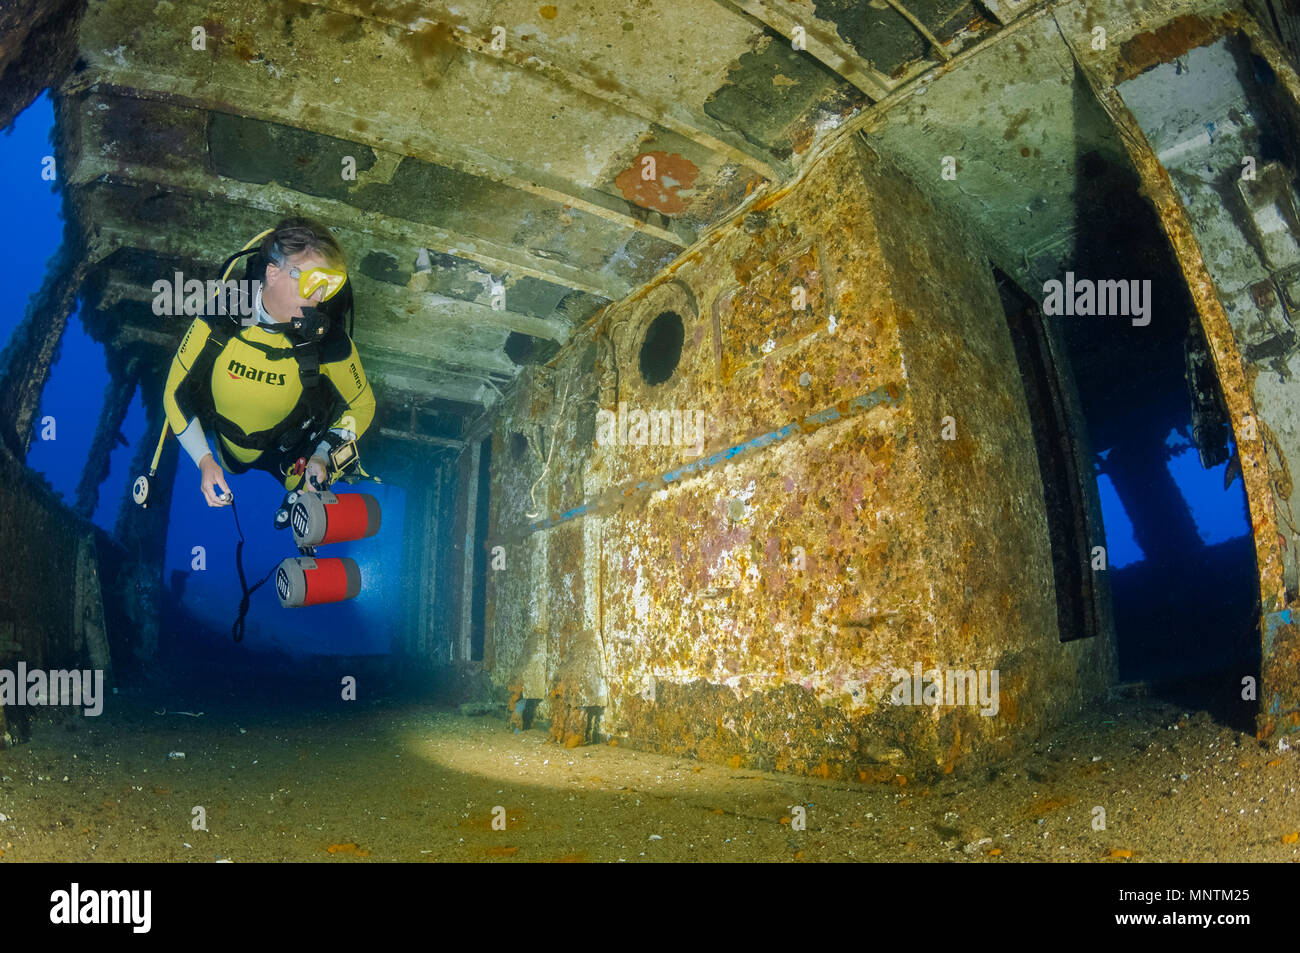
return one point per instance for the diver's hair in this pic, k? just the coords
(294, 235)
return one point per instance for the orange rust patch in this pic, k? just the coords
(767, 201)
(213, 30)
(1046, 805)
(1291, 838)
(672, 172)
(245, 50)
(348, 848)
(548, 12)
(1120, 853)
(502, 851)
(1169, 42)
(1009, 707)
(429, 45)
(871, 774)
(954, 751)
(803, 139)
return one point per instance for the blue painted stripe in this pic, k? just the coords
(862, 402)
(1271, 623)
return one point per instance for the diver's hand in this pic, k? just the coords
(318, 475)
(213, 478)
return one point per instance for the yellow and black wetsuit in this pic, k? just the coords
(251, 392)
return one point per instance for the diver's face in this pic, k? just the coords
(280, 294)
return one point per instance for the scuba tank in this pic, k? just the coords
(321, 518)
(317, 519)
(308, 581)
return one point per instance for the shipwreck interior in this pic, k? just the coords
(718, 369)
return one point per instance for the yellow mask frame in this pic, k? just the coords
(313, 279)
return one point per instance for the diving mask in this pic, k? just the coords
(314, 279)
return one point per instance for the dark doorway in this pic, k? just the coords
(1178, 545)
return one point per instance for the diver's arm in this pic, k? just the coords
(195, 441)
(185, 425)
(350, 380)
(189, 431)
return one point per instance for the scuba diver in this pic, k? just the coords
(239, 379)
(284, 392)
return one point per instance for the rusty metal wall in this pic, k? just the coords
(757, 608)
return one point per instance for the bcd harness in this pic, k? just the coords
(305, 425)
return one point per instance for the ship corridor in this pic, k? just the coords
(713, 417)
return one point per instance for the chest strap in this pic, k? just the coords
(305, 423)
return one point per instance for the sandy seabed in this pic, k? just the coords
(400, 781)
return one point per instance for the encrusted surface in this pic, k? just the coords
(756, 611)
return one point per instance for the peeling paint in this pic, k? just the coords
(662, 192)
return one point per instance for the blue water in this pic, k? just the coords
(70, 407)
(1220, 513)
(34, 222)
(1121, 547)
(71, 401)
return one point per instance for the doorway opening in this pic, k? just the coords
(1180, 553)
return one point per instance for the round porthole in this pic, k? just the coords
(662, 348)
